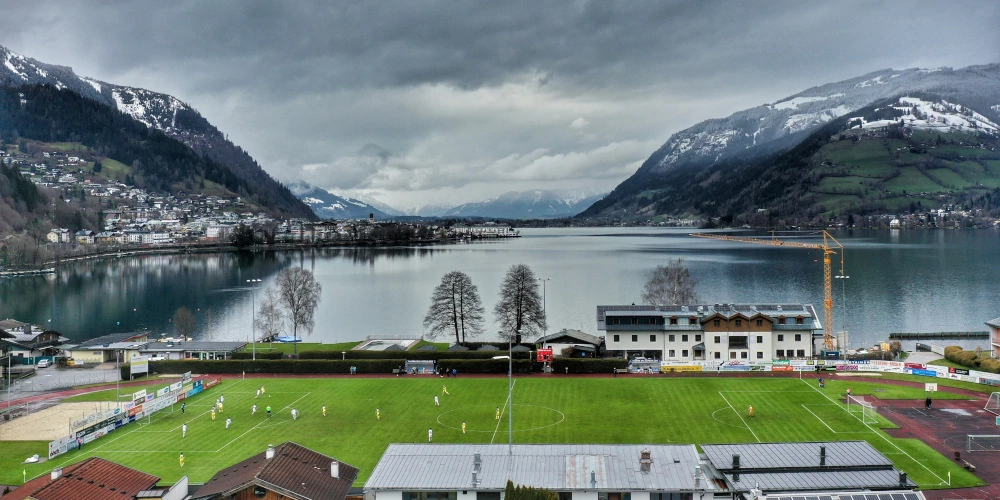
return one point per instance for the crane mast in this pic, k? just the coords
(828, 251)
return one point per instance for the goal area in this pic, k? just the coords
(993, 404)
(982, 442)
(862, 409)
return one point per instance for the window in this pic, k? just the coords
(670, 353)
(487, 495)
(613, 321)
(684, 338)
(684, 353)
(652, 338)
(760, 322)
(780, 353)
(718, 355)
(430, 495)
(760, 355)
(732, 354)
(692, 320)
(743, 355)
(697, 338)
(673, 321)
(800, 321)
(716, 322)
(738, 342)
(565, 495)
(781, 320)
(670, 338)
(635, 338)
(617, 338)
(798, 337)
(635, 321)
(739, 322)
(718, 339)
(800, 353)
(760, 339)
(781, 338)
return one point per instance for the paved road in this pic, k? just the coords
(53, 379)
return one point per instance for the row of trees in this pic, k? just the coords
(456, 308)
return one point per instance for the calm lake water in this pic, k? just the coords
(900, 281)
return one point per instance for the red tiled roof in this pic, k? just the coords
(295, 471)
(92, 478)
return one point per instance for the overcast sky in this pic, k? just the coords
(422, 102)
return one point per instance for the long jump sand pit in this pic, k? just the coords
(50, 423)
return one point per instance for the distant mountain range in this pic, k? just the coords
(717, 167)
(536, 204)
(166, 114)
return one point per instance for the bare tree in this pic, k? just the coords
(270, 318)
(671, 284)
(455, 306)
(184, 322)
(299, 293)
(520, 310)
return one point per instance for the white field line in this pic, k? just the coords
(502, 411)
(261, 422)
(876, 431)
(818, 418)
(738, 414)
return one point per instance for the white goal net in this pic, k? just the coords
(862, 409)
(982, 442)
(993, 404)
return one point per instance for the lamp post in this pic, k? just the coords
(843, 301)
(253, 315)
(544, 280)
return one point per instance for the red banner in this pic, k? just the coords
(782, 368)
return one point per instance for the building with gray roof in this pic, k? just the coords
(192, 349)
(723, 333)
(805, 467)
(575, 471)
(994, 325)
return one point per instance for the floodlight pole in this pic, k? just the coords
(510, 394)
(543, 280)
(253, 316)
(118, 396)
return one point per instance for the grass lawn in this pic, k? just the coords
(546, 410)
(286, 347)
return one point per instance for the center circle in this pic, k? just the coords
(482, 418)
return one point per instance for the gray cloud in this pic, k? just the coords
(465, 99)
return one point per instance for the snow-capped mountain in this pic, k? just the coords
(535, 204)
(327, 205)
(940, 116)
(771, 127)
(161, 112)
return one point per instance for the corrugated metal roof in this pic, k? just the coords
(818, 481)
(191, 346)
(881, 495)
(112, 338)
(794, 455)
(994, 322)
(727, 310)
(429, 467)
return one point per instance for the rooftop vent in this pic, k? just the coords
(335, 469)
(56, 473)
(593, 479)
(645, 460)
(269, 454)
(902, 478)
(822, 455)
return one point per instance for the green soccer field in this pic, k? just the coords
(545, 410)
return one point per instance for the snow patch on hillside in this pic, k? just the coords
(92, 83)
(795, 102)
(11, 67)
(941, 116)
(878, 80)
(804, 121)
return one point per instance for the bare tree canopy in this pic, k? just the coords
(455, 307)
(184, 322)
(519, 311)
(299, 294)
(270, 318)
(671, 284)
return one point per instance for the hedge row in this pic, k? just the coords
(982, 361)
(412, 355)
(587, 365)
(260, 355)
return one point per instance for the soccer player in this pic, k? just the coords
(848, 392)
(183, 407)
(324, 410)
(498, 413)
(268, 411)
(220, 407)
(821, 384)
(378, 414)
(430, 435)
(262, 390)
(258, 394)
(436, 402)
(184, 430)
(222, 399)
(253, 410)
(750, 411)
(295, 414)
(229, 422)
(927, 403)
(463, 427)
(213, 413)
(181, 459)
(444, 390)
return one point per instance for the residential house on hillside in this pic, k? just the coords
(58, 235)
(723, 333)
(84, 237)
(29, 341)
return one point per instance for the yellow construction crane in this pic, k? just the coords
(827, 274)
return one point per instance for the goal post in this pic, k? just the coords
(993, 404)
(862, 410)
(982, 442)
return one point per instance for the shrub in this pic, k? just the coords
(412, 355)
(489, 366)
(234, 366)
(260, 355)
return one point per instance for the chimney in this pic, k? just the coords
(645, 459)
(56, 473)
(902, 478)
(335, 469)
(475, 479)
(593, 479)
(822, 455)
(736, 461)
(697, 476)
(477, 461)
(269, 454)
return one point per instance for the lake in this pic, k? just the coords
(899, 281)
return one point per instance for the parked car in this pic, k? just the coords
(43, 363)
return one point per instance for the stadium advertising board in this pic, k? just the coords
(782, 368)
(544, 355)
(922, 373)
(139, 396)
(680, 368)
(139, 364)
(186, 377)
(59, 446)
